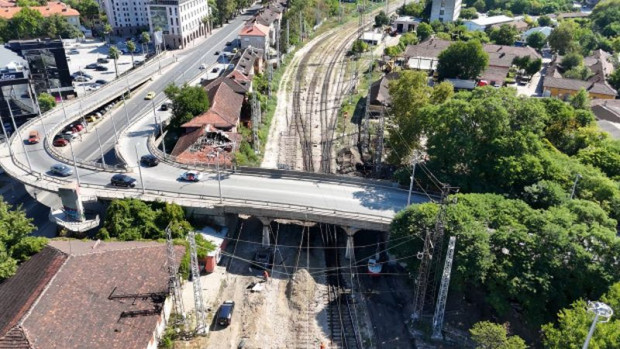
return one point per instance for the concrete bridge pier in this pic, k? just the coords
(350, 251)
(266, 241)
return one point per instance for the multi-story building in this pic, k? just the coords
(446, 10)
(127, 16)
(179, 20)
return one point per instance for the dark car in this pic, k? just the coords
(92, 66)
(228, 43)
(61, 170)
(164, 106)
(217, 53)
(224, 315)
(149, 160)
(81, 73)
(101, 82)
(121, 180)
(101, 68)
(103, 60)
(263, 258)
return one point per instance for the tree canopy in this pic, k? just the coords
(488, 335)
(46, 102)
(536, 40)
(606, 17)
(381, 19)
(464, 60)
(506, 34)
(30, 24)
(187, 102)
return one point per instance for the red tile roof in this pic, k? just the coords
(15, 339)
(186, 140)
(51, 8)
(225, 109)
(252, 28)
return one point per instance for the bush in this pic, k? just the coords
(46, 102)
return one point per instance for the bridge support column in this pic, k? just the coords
(266, 231)
(350, 251)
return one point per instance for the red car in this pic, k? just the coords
(60, 142)
(79, 127)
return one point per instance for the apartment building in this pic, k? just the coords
(179, 20)
(446, 10)
(126, 17)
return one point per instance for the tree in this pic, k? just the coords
(533, 67)
(606, 17)
(187, 102)
(107, 29)
(359, 46)
(27, 23)
(206, 20)
(581, 100)
(468, 13)
(424, 31)
(414, 9)
(381, 19)
(46, 102)
(573, 325)
(114, 53)
(479, 5)
(544, 21)
(131, 47)
(57, 25)
(561, 38)
(614, 79)
(580, 73)
(488, 335)
(145, 38)
(571, 61)
(536, 40)
(505, 35)
(225, 9)
(465, 60)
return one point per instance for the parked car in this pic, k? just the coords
(74, 51)
(93, 87)
(191, 176)
(81, 78)
(61, 170)
(69, 136)
(228, 43)
(79, 127)
(60, 142)
(81, 73)
(150, 95)
(93, 118)
(224, 314)
(149, 160)
(101, 82)
(215, 70)
(33, 137)
(164, 106)
(263, 258)
(103, 60)
(101, 68)
(121, 180)
(92, 66)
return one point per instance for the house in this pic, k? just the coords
(546, 31)
(519, 24)
(52, 8)
(482, 23)
(254, 34)
(270, 18)
(599, 62)
(573, 15)
(88, 294)
(372, 37)
(607, 112)
(404, 24)
(379, 94)
(218, 239)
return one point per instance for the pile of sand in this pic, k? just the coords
(300, 290)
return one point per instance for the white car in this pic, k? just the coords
(191, 176)
(93, 87)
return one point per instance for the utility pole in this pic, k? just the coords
(255, 122)
(270, 77)
(443, 291)
(288, 36)
(414, 161)
(140, 169)
(301, 28)
(21, 140)
(201, 319)
(75, 167)
(379, 144)
(174, 286)
(100, 148)
(366, 123)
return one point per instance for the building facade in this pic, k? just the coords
(127, 17)
(445, 10)
(179, 20)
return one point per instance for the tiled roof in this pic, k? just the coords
(519, 24)
(252, 28)
(495, 75)
(267, 16)
(237, 86)
(247, 59)
(225, 108)
(573, 15)
(19, 292)
(186, 140)
(89, 304)
(430, 48)
(5, 3)
(207, 154)
(379, 90)
(51, 8)
(606, 112)
(575, 85)
(15, 338)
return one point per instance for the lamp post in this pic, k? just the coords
(161, 131)
(140, 168)
(600, 310)
(6, 137)
(75, 168)
(36, 101)
(21, 140)
(100, 148)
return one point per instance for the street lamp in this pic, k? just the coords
(140, 168)
(601, 310)
(100, 149)
(21, 140)
(77, 175)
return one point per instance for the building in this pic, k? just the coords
(546, 31)
(607, 112)
(600, 65)
(372, 37)
(52, 8)
(519, 24)
(482, 23)
(445, 10)
(88, 294)
(126, 17)
(379, 94)
(179, 20)
(405, 24)
(16, 94)
(254, 34)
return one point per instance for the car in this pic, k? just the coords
(74, 51)
(215, 70)
(33, 137)
(138, 62)
(217, 53)
(191, 176)
(150, 95)
(164, 106)
(93, 87)
(263, 258)
(149, 160)
(79, 127)
(228, 43)
(60, 142)
(70, 129)
(235, 50)
(61, 170)
(93, 118)
(202, 66)
(103, 60)
(92, 66)
(101, 82)
(224, 314)
(81, 78)
(69, 136)
(121, 180)
(81, 73)
(101, 68)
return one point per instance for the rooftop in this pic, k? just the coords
(51, 8)
(253, 28)
(485, 21)
(225, 109)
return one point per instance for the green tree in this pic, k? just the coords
(561, 38)
(381, 19)
(359, 46)
(488, 335)
(505, 35)
(544, 194)
(606, 17)
(614, 79)
(145, 38)
(580, 73)
(107, 29)
(5, 32)
(225, 9)
(465, 60)
(536, 40)
(424, 31)
(414, 9)
(573, 324)
(27, 23)
(187, 102)
(206, 21)
(46, 102)
(533, 67)
(544, 21)
(480, 6)
(131, 47)
(57, 25)
(468, 13)
(114, 53)
(581, 100)
(571, 61)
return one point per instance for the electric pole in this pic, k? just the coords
(174, 286)
(379, 144)
(443, 292)
(255, 122)
(201, 318)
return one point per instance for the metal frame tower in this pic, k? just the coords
(174, 286)
(255, 122)
(443, 291)
(201, 318)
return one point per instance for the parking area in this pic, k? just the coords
(84, 56)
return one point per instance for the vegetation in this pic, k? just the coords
(405, 40)
(519, 7)
(30, 24)
(414, 9)
(530, 67)
(187, 102)
(536, 40)
(424, 31)
(359, 46)
(131, 47)
(488, 335)
(46, 102)
(469, 13)
(16, 244)
(574, 322)
(464, 60)
(504, 35)
(114, 53)
(381, 19)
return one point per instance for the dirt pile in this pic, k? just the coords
(300, 290)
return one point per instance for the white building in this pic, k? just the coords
(446, 10)
(126, 17)
(483, 23)
(405, 24)
(179, 20)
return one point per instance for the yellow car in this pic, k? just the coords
(150, 95)
(92, 118)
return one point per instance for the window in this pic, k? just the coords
(441, 12)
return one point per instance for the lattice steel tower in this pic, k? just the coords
(443, 291)
(201, 317)
(174, 286)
